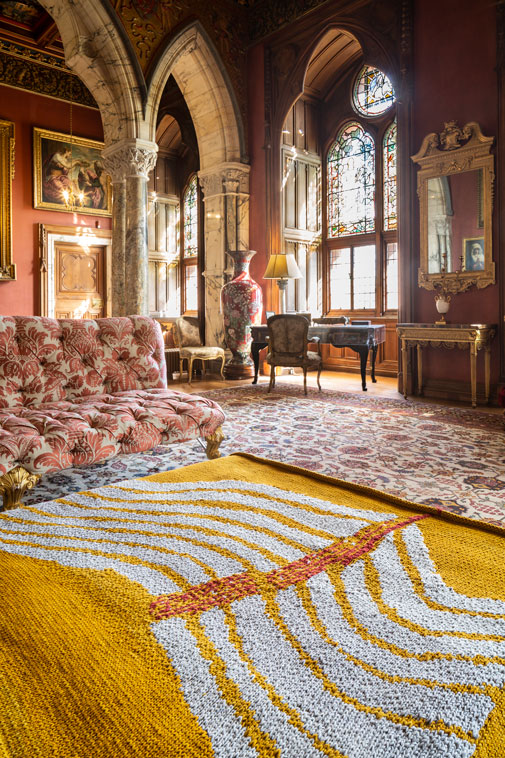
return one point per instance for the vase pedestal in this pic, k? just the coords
(242, 303)
(238, 371)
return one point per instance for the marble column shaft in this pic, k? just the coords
(130, 162)
(118, 248)
(136, 252)
(226, 227)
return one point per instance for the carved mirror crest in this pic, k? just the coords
(7, 267)
(455, 188)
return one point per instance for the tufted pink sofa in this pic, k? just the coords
(77, 391)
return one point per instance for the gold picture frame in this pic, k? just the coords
(64, 163)
(455, 155)
(7, 267)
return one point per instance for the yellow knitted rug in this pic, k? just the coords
(243, 608)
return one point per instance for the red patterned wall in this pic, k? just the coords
(26, 110)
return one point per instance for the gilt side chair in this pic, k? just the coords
(187, 333)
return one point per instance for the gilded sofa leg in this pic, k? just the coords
(14, 484)
(213, 442)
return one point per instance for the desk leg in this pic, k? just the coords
(473, 373)
(255, 355)
(363, 357)
(404, 367)
(420, 369)
(487, 369)
(374, 355)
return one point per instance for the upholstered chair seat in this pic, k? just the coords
(312, 360)
(187, 334)
(287, 346)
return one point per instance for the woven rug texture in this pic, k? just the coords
(241, 609)
(450, 458)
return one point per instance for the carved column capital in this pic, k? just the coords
(225, 179)
(130, 158)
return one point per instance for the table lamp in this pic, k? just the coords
(283, 267)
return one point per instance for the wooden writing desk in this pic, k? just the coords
(361, 339)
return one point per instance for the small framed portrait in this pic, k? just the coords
(69, 174)
(473, 253)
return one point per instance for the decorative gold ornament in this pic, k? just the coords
(213, 442)
(14, 484)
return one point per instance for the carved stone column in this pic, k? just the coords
(113, 166)
(226, 227)
(130, 162)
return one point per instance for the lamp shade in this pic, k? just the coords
(282, 266)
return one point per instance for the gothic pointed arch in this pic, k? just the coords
(200, 75)
(99, 53)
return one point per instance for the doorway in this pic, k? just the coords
(75, 266)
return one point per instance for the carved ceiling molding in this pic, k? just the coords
(28, 74)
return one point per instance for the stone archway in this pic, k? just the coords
(96, 52)
(224, 176)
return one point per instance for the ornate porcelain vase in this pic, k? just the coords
(242, 303)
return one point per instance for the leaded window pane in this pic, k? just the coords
(351, 183)
(364, 277)
(389, 153)
(190, 220)
(373, 92)
(191, 287)
(391, 284)
(340, 279)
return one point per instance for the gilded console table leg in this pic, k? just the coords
(487, 371)
(404, 367)
(473, 373)
(420, 369)
(213, 442)
(14, 484)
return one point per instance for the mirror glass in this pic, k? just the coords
(455, 223)
(455, 190)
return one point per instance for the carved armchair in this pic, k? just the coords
(287, 346)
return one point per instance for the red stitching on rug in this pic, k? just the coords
(219, 592)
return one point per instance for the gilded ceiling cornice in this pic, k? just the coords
(27, 69)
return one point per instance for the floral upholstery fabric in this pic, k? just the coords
(312, 360)
(188, 332)
(202, 352)
(77, 392)
(287, 346)
(43, 360)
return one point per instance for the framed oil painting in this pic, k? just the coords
(473, 253)
(72, 168)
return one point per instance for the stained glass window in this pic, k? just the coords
(190, 220)
(373, 92)
(389, 179)
(351, 183)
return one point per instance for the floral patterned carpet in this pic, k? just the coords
(451, 458)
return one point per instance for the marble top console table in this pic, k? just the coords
(475, 337)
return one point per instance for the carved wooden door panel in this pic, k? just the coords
(79, 281)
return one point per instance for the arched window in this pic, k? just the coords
(351, 183)
(361, 204)
(189, 258)
(373, 92)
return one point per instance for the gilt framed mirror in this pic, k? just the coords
(455, 188)
(7, 267)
